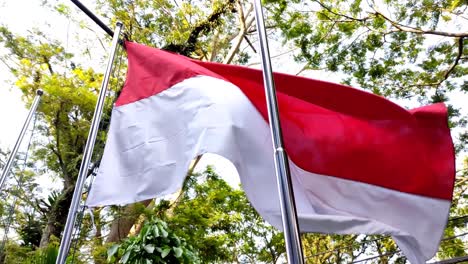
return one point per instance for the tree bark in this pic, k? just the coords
(57, 217)
(122, 224)
(203, 26)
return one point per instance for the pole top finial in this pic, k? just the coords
(39, 92)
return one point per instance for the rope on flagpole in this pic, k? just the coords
(79, 226)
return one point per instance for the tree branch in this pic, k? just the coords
(406, 28)
(68, 181)
(266, 27)
(49, 66)
(398, 26)
(457, 59)
(274, 56)
(250, 44)
(7, 65)
(449, 70)
(207, 25)
(302, 69)
(240, 36)
(364, 19)
(214, 47)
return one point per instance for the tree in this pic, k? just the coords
(16, 195)
(412, 50)
(37, 64)
(381, 46)
(219, 222)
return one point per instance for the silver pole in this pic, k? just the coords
(12, 156)
(286, 194)
(88, 152)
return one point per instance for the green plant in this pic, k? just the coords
(154, 244)
(18, 254)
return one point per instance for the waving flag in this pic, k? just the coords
(359, 163)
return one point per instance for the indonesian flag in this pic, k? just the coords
(359, 163)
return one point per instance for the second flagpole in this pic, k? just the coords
(88, 152)
(285, 189)
(12, 157)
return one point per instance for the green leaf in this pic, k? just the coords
(149, 248)
(144, 232)
(164, 233)
(165, 251)
(178, 251)
(125, 257)
(111, 251)
(155, 231)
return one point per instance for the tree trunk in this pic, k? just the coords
(57, 217)
(98, 224)
(123, 223)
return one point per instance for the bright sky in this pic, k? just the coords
(12, 111)
(19, 20)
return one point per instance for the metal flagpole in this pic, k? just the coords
(12, 156)
(286, 195)
(87, 154)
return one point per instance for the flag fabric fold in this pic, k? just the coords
(359, 163)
